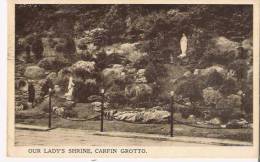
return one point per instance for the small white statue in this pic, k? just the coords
(69, 94)
(183, 44)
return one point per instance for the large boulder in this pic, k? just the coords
(210, 70)
(225, 47)
(84, 66)
(113, 73)
(150, 116)
(211, 96)
(129, 116)
(53, 63)
(156, 116)
(128, 50)
(47, 63)
(34, 72)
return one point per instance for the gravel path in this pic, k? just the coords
(63, 137)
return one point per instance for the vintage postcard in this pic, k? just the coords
(133, 79)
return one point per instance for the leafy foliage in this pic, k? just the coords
(214, 79)
(240, 67)
(229, 87)
(191, 89)
(37, 47)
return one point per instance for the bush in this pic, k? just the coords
(229, 87)
(240, 67)
(190, 88)
(211, 96)
(83, 90)
(117, 97)
(139, 93)
(34, 72)
(224, 115)
(154, 71)
(214, 79)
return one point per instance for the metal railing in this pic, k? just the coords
(171, 121)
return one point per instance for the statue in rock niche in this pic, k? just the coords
(69, 94)
(183, 44)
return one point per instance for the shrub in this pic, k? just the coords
(224, 115)
(214, 79)
(84, 67)
(83, 90)
(117, 97)
(190, 88)
(211, 96)
(139, 93)
(141, 63)
(240, 67)
(228, 87)
(154, 71)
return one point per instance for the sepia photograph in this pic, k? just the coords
(132, 76)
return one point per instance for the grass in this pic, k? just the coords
(163, 129)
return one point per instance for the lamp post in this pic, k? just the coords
(102, 91)
(50, 109)
(171, 107)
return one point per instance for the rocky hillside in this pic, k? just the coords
(131, 51)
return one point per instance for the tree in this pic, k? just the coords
(37, 47)
(114, 22)
(69, 47)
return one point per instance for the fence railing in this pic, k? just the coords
(171, 123)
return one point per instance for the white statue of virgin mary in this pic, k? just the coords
(183, 44)
(69, 94)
